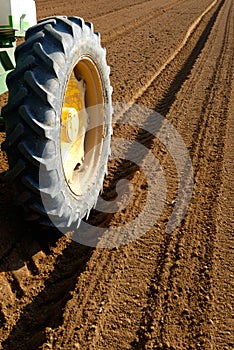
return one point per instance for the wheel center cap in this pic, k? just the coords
(70, 127)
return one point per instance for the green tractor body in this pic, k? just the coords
(7, 60)
(15, 18)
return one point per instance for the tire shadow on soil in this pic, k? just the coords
(19, 242)
(46, 308)
(20, 239)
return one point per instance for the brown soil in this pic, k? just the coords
(164, 290)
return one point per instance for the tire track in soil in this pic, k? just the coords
(170, 244)
(165, 283)
(71, 333)
(202, 131)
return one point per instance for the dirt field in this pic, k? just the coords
(166, 290)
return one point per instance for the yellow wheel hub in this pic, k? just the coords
(80, 141)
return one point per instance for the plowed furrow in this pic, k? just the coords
(154, 55)
(224, 263)
(127, 23)
(80, 9)
(189, 296)
(130, 7)
(171, 75)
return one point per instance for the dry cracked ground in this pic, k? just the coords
(167, 289)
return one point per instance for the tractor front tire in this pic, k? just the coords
(58, 121)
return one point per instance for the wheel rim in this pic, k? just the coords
(82, 126)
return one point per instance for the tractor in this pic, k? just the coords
(58, 117)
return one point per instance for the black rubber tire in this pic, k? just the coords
(33, 119)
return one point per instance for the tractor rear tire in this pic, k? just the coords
(60, 86)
